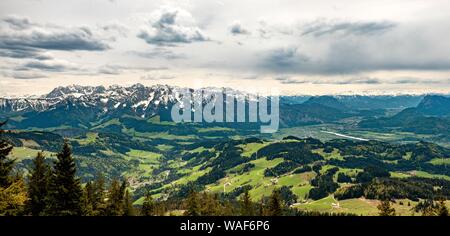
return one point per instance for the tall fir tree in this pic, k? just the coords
(193, 204)
(148, 207)
(128, 209)
(13, 198)
(442, 209)
(261, 208)
(246, 205)
(98, 195)
(210, 205)
(228, 209)
(6, 164)
(38, 186)
(427, 207)
(115, 198)
(65, 189)
(13, 195)
(385, 208)
(87, 199)
(275, 204)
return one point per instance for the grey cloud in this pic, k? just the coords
(361, 80)
(168, 29)
(415, 80)
(118, 69)
(22, 39)
(348, 57)
(237, 29)
(25, 35)
(75, 39)
(250, 77)
(24, 75)
(110, 70)
(113, 30)
(48, 65)
(19, 23)
(157, 77)
(160, 52)
(324, 27)
(32, 75)
(320, 28)
(24, 54)
(288, 80)
(284, 59)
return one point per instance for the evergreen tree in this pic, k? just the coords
(193, 204)
(94, 197)
(442, 209)
(287, 196)
(65, 190)
(13, 195)
(128, 209)
(246, 205)
(97, 196)
(261, 209)
(210, 205)
(275, 204)
(38, 185)
(115, 199)
(427, 207)
(6, 164)
(13, 198)
(87, 199)
(148, 207)
(385, 208)
(160, 209)
(228, 209)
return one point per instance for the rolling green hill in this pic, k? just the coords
(313, 171)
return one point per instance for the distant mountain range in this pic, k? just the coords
(434, 105)
(431, 116)
(138, 98)
(359, 102)
(80, 106)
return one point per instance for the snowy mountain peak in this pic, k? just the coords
(137, 99)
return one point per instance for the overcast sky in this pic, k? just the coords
(299, 47)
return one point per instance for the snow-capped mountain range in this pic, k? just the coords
(139, 99)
